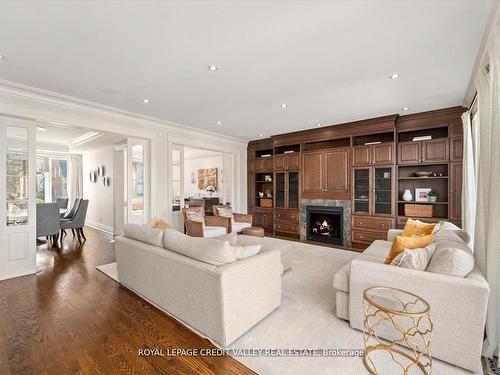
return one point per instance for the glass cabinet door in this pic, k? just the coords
(17, 176)
(383, 190)
(280, 190)
(293, 189)
(362, 190)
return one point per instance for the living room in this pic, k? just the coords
(271, 187)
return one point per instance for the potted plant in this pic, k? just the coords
(432, 195)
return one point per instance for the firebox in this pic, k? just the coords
(325, 224)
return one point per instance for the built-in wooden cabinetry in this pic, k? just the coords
(369, 162)
(325, 173)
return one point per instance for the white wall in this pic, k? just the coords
(101, 201)
(192, 166)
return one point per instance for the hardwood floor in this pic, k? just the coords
(70, 318)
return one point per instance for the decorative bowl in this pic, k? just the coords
(423, 174)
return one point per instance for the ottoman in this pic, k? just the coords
(253, 231)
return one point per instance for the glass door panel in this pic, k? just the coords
(293, 189)
(383, 190)
(280, 190)
(17, 176)
(137, 191)
(362, 190)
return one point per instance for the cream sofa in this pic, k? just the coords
(221, 302)
(458, 304)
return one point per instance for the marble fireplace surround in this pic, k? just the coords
(346, 205)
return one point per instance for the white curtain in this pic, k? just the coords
(468, 180)
(487, 233)
(75, 184)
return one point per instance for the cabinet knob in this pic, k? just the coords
(381, 225)
(361, 223)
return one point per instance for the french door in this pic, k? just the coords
(18, 186)
(138, 189)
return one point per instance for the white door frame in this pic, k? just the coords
(131, 218)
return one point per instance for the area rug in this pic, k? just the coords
(306, 320)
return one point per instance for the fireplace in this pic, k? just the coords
(325, 224)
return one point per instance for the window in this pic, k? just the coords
(51, 178)
(17, 176)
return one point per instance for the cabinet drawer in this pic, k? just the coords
(290, 216)
(286, 227)
(376, 223)
(361, 236)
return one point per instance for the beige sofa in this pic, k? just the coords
(221, 302)
(458, 304)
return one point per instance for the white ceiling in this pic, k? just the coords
(55, 138)
(329, 61)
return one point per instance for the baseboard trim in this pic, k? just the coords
(98, 226)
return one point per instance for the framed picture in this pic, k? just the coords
(207, 177)
(421, 194)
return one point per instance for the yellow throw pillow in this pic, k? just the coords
(417, 228)
(157, 223)
(401, 242)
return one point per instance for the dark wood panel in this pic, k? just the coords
(409, 153)
(372, 223)
(291, 216)
(283, 226)
(456, 148)
(292, 161)
(367, 236)
(279, 162)
(455, 193)
(337, 171)
(435, 151)
(312, 174)
(361, 156)
(383, 154)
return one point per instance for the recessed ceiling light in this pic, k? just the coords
(260, 135)
(2, 57)
(394, 76)
(212, 68)
(146, 101)
(219, 122)
(41, 128)
(405, 108)
(318, 124)
(284, 105)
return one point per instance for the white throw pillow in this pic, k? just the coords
(246, 251)
(415, 259)
(232, 238)
(452, 256)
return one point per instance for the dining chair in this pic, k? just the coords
(47, 221)
(62, 202)
(77, 222)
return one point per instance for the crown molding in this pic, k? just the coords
(18, 94)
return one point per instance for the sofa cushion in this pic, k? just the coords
(238, 226)
(446, 225)
(246, 251)
(402, 242)
(141, 233)
(452, 256)
(415, 259)
(207, 250)
(342, 276)
(212, 232)
(379, 248)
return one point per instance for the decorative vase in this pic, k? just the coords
(432, 198)
(407, 197)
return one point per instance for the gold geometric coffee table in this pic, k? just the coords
(396, 318)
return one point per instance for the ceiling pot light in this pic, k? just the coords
(2, 57)
(318, 124)
(405, 108)
(146, 101)
(212, 68)
(260, 135)
(219, 122)
(284, 105)
(394, 76)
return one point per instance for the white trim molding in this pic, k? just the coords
(100, 227)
